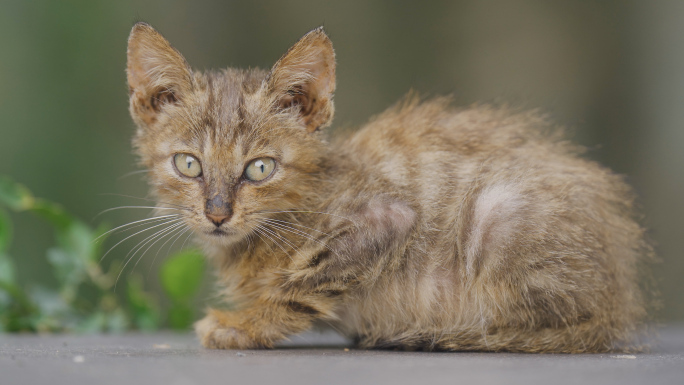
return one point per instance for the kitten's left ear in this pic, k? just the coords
(158, 75)
(304, 79)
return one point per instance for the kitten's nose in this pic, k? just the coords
(217, 219)
(218, 210)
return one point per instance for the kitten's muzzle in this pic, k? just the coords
(217, 219)
(218, 210)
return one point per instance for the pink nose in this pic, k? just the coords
(217, 219)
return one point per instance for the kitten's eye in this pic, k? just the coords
(187, 165)
(259, 169)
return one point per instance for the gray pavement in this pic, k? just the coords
(313, 359)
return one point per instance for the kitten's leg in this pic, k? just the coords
(285, 307)
(314, 287)
(259, 326)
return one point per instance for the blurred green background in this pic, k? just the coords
(612, 71)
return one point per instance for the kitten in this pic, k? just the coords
(430, 228)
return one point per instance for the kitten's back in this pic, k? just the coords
(529, 235)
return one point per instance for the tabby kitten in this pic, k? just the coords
(430, 228)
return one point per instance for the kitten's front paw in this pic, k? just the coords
(214, 335)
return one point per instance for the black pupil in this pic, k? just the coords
(189, 163)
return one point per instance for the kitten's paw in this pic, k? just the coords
(214, 335)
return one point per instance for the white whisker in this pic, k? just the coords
(262, 240)
(132, 173)
(147, 239)
(261, 229)
(308, 212)
(132, 223)
(141, 231)
(148, 199)
(180, 231)
(159, 237)
(136, 207)
(296, 224)
(186, 239)
(187, 228)
(275, 233)
(139, 247)
(297, 232)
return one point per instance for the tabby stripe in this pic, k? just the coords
(332, 293)
(299, 307)
(318, 258)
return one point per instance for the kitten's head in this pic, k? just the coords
(234, 145)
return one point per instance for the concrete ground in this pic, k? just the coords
(171, 359)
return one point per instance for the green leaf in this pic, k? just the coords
(181, 275)
(50, 312)
(52, 212)
(144, 308)
(14, 195)
(7, 270)
(76, 252)
(69, 270)
(117, 321)
(6, 282)
(96, 246)
(77, 240)
(94, 323)
(180, 317)
(147, 321)
(17, 296)
(5, 231)
(49, 302)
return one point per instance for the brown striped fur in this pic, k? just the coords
(429, 228)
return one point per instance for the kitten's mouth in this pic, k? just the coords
(218, 233)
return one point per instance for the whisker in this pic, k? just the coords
(149, 238)
(308, 212)
(146, 199)
(261, 230)
(283, 225)
(136, 207)
(141, 231)
(297, 232)
(177, 238)
(249, 241)
(297, 224)
(132, 223)
(139, 225)
(180, 231)
(262, 240)
(275, 233)
(161, 236)
(139, 247)
(131, 173)
(186, 239)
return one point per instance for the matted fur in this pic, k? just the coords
(429, 228)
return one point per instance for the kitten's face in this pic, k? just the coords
(230, 147)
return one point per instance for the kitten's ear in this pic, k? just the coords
(158, 75)
(304, 78)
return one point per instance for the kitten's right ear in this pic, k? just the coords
(304, 79)
(158, 74)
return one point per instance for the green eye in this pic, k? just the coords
(259, 169)
(187, 165)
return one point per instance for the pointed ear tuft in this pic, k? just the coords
(304, 79)
(158, 75)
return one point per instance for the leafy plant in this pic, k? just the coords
(181, 276)
(75, 263)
